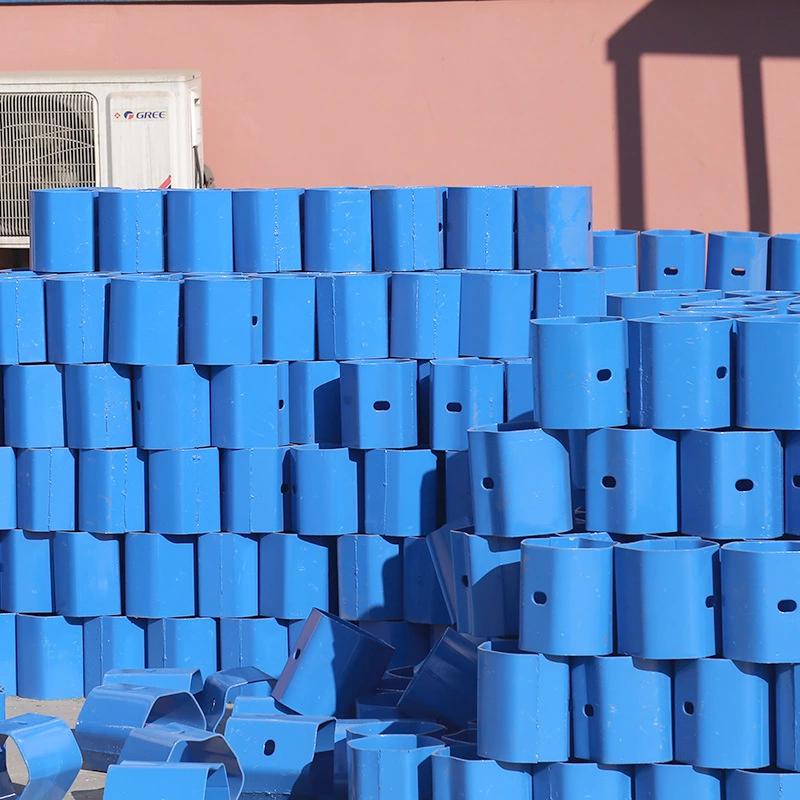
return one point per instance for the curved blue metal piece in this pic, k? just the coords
(787, 735)
(619, 280)
(370, 577)
(50, 754)
(266, 230)
(112, 711)
(496, 309)
(111, 493)
(505, 501)
(22, 319)
(183, 490)
(227, 575)
(27, 582)
(737, 260)
(199, 230)
(254, 489)
(426, 313)
(98, 406)
(760, 622)
(458, 775)
(220, 687)
(314, 408)
(316, 680)
(520, 392)
(465, 393)
(635, 305)
(669, 781)
(743, 784)
(136, 779)
(554, 227)
(337, 230)
(667, 598)
(8, 489)
(77, 316)
(130, 230)
(731, 484)
(672, 259)
(262, 642)
(410, 641)
(784, 262)
(62, 230)
(480, 227)
(186, 642)
(631, 481)
(571, 293)
(45, 641)
(8, 659)
(523, 705)
(423, 599)
(680, 372)
(406, 228)
(564, 781)
(33, 405)
(353, 315)
(174, 679)
(458, 493)
(621, 710)
(46, 489)
(290, 327)
(592, 393)
(615, 248)
(110, 643)
(567, 596)
(379, 403)
(710, 729)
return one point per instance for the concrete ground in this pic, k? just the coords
(88, 785)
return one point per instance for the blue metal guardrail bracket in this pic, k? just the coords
(135, 780)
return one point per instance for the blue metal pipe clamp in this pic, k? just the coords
(496, 309)
(635, 305)
(570, 293)
(325, 490)
(62, 230)
(8, 655)
(737, 260)
(289, 323)
(791, 482)
(722, 713)
(135, 779)
(480, 227)
(317, 681)
(337, 230)
(227, 575)
(172, 679)
(267, 230)
(567, 596)
(668, 781)
(458, 494)
(153, 561)
(631, 480)
(8, 490)
(767, 396)
(392, 766)
(130, 231)
(410, 642)
(760, 622)
(98, 406)
(199, 230)
(680, 372)
(731, 484)
(423, 601)
(22, 319)
(294, 576)
(187, 642)
(254, 489)
(370, 571)
(564, 781)
(523, 705)
(27, 582)
(621, 710)
(460, 775)
(401, 492)
(46, 489)
(465, 393)
(619, 280)
(554, 227)
(787, 736)
(143, 319)
(34, 406)
(77, 308)
(505, 503)
(172, 407)
(615, 248)
(667, 598)
(353, 315)
(784, 262)
(110, 643)
(379, 403)
(751, 785)
(221, 688)
(672, 259)
(314, 405)
(445, 685)
(261, 642)
(111, 491)
(48, 641)
(183, 490)
(406, 228)
(426, 313)
(592, 393)
(520, 393)
(78, 591)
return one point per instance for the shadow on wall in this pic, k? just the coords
(741, 28)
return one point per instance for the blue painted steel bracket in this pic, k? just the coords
(461, 776)
(672, 260)
(173, 679)
(667, 781)
(135, 780)
(217, 691)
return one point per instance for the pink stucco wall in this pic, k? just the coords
(501, 91)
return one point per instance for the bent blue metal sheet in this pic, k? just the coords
(135, 780)
(218, 689)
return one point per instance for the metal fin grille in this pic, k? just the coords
(47, 140)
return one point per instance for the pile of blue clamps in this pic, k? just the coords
(451, 494)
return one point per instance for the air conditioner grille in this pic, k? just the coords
(47, 139)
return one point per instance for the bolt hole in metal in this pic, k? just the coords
(710, 601)
(540, 598)
(609, 481)
(453, 408)
(296, 654)
(138, 405)
(487, 483)
(670, 271)
(744, 485)
(722, 372)
(588, 710)
(603, 375)
(589, 226)
(688, 708)
(796, 481)
(281, 404)
(739, 272)
(254, 321)
(381, 405)
(787, 606)
(269, 747)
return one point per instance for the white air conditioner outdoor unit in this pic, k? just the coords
(133, 130)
